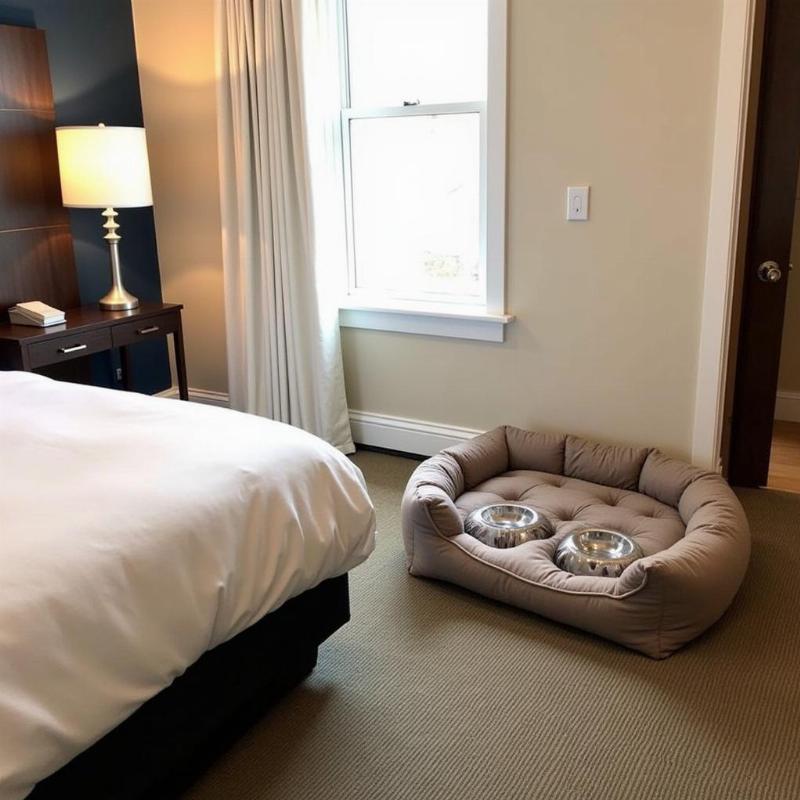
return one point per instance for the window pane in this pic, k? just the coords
(433, 51)
(416, 206)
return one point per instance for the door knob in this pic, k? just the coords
(770, 272)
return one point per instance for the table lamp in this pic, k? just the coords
(105, 167)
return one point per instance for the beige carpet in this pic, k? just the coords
(431, 692)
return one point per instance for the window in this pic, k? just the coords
(423, 131)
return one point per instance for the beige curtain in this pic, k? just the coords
(282, 219)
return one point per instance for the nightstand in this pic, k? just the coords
(89, 330)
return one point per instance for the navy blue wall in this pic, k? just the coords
(95, 79)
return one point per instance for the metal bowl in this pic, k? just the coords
(595, 551)
(507, 525)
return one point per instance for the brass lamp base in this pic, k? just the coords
(119, 298)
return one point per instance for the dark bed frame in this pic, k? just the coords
(170, 740)
(160, 748)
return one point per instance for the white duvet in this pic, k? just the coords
(135, 534)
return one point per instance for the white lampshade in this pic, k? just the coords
(103, 167)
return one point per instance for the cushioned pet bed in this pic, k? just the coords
(136, 533)
(689, 524)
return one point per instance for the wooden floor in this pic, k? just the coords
(784, 465)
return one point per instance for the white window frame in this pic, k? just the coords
(485, 321)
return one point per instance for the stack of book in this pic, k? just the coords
(36, 313)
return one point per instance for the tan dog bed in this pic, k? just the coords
(688, 522)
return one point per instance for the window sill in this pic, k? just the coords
(451, 321)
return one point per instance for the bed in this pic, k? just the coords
(164, 566)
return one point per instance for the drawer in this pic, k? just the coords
(65, 348)
(141, 329)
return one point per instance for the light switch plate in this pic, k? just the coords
(578, 203)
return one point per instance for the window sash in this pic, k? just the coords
(436, 109)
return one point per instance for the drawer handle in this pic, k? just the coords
(151, 329)
(74, 349)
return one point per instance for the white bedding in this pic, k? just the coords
(135, 534)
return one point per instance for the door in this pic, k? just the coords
(769, 239)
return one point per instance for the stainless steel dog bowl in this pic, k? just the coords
(507, 525)
(595, 551)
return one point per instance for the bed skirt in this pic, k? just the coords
(168, 742)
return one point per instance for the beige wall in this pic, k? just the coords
(619, 94)
(175, 48)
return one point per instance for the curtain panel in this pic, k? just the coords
(282, 211)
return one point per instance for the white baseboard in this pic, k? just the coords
(373, 430)
(405, 435)
(787, 407)
(204, 396)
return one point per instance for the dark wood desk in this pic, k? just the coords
(89, 330)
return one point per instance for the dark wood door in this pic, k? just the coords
(769, 239)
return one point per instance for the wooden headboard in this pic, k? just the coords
(36, 256)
